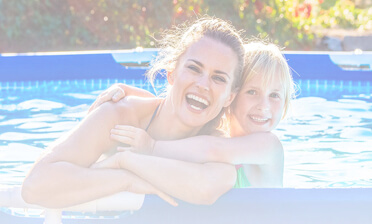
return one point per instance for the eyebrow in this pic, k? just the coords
(251, 86)
(258, 87)
(216, 71)
(277, 90)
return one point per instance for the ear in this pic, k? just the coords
(230, 99)
(170, 78)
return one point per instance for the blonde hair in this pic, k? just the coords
(176, 41)
(265, 59)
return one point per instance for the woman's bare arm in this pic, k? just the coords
(63, 177)
(192, 182)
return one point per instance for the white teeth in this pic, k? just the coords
(194, 107)
(259, 119)
(199, 99)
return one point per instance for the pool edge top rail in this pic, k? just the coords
(11, 197)
(252, 205)
(132, 64)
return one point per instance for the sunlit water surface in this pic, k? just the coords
(327, 138)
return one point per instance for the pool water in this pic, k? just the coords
(327, 139)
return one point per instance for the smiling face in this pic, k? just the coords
(202, 82)
(258, 107)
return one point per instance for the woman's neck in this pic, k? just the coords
(167, 125)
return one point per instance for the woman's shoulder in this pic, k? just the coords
(136, 108)
(129, 109)
(130, 103)
(138, 105)
(139, 102)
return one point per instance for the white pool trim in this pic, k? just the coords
(123, 201)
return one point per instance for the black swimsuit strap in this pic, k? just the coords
(153, 116)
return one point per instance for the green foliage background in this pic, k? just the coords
(64, 25)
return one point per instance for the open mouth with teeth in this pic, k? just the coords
(196, 102)
(259, 119)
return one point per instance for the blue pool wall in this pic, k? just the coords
(77, 65)
(250, 205)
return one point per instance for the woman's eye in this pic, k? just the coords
(193, 68)
(219, 78)
(252, 92)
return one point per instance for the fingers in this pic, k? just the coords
(107, 163)
(119, 94)
(100, 100)
(104, 98)
(123, 134)
(93, 106)
(112, 162)
(113, 93)
(127, 128)
(137, 139)
(122, 139)
(128, 132)
(167, 198)
(122, 149)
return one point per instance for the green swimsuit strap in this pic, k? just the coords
(241, 179)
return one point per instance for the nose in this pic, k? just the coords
(203, 83)
(263, 104)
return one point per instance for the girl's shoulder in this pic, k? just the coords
(270, 139)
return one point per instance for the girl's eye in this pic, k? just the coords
(219, 78)
(274, 95)
(252, 92)
(193, 68)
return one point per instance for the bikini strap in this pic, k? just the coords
(152, 118)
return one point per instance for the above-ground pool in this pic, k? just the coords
(327, 138)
